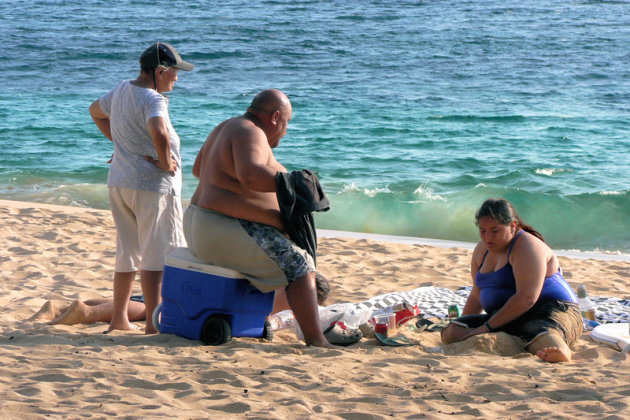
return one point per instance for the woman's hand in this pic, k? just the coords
(479, 330)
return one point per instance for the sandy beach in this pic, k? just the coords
(59, 254)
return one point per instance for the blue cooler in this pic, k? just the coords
(209, 303)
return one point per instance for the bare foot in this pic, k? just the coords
(322, 343)
(128, 327)
(553, 355)
(76, 313)
(151, 331)
(47, 312)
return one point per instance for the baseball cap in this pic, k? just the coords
(162, 54)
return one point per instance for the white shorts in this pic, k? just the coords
(148, 227)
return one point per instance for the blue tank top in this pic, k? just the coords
(498, 286)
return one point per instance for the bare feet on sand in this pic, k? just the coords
(76, 313)
(152, 331)
(47, 312)
(124, 327)
(553, 355)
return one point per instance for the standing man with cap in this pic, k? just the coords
(145, 178)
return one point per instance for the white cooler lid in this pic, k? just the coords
(183, 258)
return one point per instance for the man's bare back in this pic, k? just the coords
(236, 169)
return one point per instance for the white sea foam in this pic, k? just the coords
(551, 171)
(426, 192)
(349, 187)
(547, 172)
(370, 192)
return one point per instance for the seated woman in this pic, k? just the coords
(519, 284)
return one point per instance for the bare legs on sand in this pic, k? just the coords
(151, 282)
(301, 297)
(86, 312)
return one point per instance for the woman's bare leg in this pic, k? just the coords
(97, 301)
(103, 309)
(550, 347)
(96, 310)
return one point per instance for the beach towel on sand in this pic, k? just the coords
(434, 302)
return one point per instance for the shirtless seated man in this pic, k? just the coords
(233, 219)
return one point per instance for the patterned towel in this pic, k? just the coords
(434, 302)
(611, 309)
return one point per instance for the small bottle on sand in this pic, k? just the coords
(586, 305)
(282, 320)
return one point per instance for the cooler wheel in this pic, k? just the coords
(155, 317)
(267, 332)
(216, 331)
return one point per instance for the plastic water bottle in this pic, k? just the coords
(586, 305)
(282, 320)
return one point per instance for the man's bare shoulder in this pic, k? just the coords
(236, 129)
(242, 133)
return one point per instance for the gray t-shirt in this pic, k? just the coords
(129, 109)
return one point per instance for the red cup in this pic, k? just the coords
(380, 328)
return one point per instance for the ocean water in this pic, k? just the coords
(411, 112)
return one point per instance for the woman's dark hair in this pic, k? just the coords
(503, 212)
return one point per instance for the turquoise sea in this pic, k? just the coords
(411, 112)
